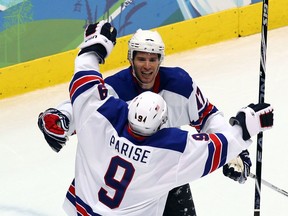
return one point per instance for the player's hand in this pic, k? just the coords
(100, 38)
(54, 125)
(238, 169)
(254, 119)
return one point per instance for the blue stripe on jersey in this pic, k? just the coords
(213, 147)
(84, 209)
(204, 115)
(208, 110)
(168, 138)
(87, 72)
(209, 162)
(224, 149)
(82, 81)
(80, 206)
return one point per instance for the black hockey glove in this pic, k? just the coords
(238, 169)
(254, 119)
(99, 38)
(54, 125)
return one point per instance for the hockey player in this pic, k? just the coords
(126, 159)
(186, 104)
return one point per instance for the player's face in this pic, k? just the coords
(146, 66)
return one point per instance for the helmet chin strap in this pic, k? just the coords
(143, 85)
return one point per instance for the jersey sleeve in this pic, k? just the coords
(204, 153)
(87, 89)
(204, 116)
(66, 108)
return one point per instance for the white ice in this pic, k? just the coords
(34, 179)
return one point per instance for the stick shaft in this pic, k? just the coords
(268, 184)
(262, 76)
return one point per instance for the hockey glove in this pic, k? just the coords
(238, 169)
(54, 125)
(99, 38)
(254, 119)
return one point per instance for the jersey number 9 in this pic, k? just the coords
(119, 183)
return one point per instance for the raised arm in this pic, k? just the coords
(57, 124)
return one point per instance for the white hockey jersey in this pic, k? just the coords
(118, 173)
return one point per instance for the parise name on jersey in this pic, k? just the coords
(136, 153)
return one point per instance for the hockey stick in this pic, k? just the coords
(268, 184)
(119, 10)
(261, 100)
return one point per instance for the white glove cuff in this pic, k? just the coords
(252, 121)
(98, 39)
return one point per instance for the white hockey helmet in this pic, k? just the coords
(146, 41)
(147, 113)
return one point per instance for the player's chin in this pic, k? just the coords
(147, 81)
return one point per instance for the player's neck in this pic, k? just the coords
(136, 136)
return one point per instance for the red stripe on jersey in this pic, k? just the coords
(81, 210)
(206, 112)
(217, 153)
(72, 190)
(83, 80)
(156, 87)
